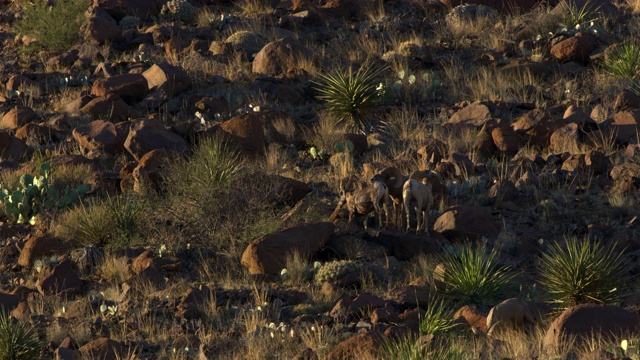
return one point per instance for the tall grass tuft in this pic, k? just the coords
(474, 275)
(18, 339)
(581, 272)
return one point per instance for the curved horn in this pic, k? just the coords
(392, 172)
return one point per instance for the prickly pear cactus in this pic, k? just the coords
(335, 270)
(180, 10)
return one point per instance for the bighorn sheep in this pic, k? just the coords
(418, 191)
(373, 198)
(393, 178)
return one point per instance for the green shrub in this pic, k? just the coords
(575, 16)
(179, 10)
(624, 61)
(582, 272)
(351, 98)
(55, 27)
(335, 270)
(403, 348)
(438, 317)
(473, 275)
(18, 339)
(113, 223)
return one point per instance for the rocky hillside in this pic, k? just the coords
(219, 179)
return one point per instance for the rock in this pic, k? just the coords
(357, 347)
(565, 138)
(510, 312)
(626, 177)
(410, 296)
(465, 222)
(36, 133)
(102, 348)
(626, 100)
(386, 314)
(39, 247)
(151, 170)
(576, 48)
(144, 9)
(130, 87)
(288, 191)
(431, 152)
(101, 27)
(110, 107)
(536, 126)
(101, 135)
(267, 255)
(625, 125)
(167, 78)
(245, 132)
(473, 316)
(583, 321)
(280, 57)
(151, 134)
(62, 279)
(149, 277)
(8, 302)
(17, 117)
(597, 162)
(11, 148)
(402, 246)
(246, 43)
(506, 140)
(21, 83)
(502, 190)
(349, 309)
(353, 247)
(476, 114)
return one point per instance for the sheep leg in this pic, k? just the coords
(418, 213)
(407, 202)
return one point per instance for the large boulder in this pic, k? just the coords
(268, 254)
(246, 133)
(151, 134)
(101, 27)
(576, 48)
(37, 248)
(510, 312)
(110, 107)
(130, 87)
(100, 135)
(279, 57)
(584, 321)
(62, 280)
(357, 347)
(17, 117)
(102, 348)
(11, 148)
(465, 222)
(167, 78)
(476, 114)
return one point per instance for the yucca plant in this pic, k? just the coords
(403, 348)
(574, 15)
(624, 62)
(352, 98)
(438, 317)
(584, 272)
(18, 339)
(474, 275)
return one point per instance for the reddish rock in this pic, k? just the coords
(625, 126)
(245, 132)
(280, 57)
(565, 138)
(348, 309)
(149, 277)
(357, 347)
(102, 348)
(167, 78)
(110, 107)
(512, 311)
(506, 140)
(476, 114)
(20, 83)
(62, 279)
(473, 316)
(11, 148)
(148, 135)
(536, 126)
(39, 247)
(17, 117)
(267, 255)
(584, 321)
(289, 191)
(100, 135)
(386, 314)
(626, 100)
(410, 296)
(101, 27)
(574, 163)
(431, 152)
(576, 48)
(130, 87)
(465, 222)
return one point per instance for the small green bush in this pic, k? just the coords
(55, 27)
(581, 272)
(624, 61)
(335, 270)
(179, 10)
(438, 317)
(473, 275)
(352, 98)
(576, 16)
(18, 339)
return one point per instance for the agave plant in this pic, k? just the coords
(18, 339)
(474, 275)
(575, 15)
(437, 318)
(582, 272)
(352, 98)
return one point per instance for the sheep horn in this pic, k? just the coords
(392, 172)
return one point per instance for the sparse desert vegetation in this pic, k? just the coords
(219, 179)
